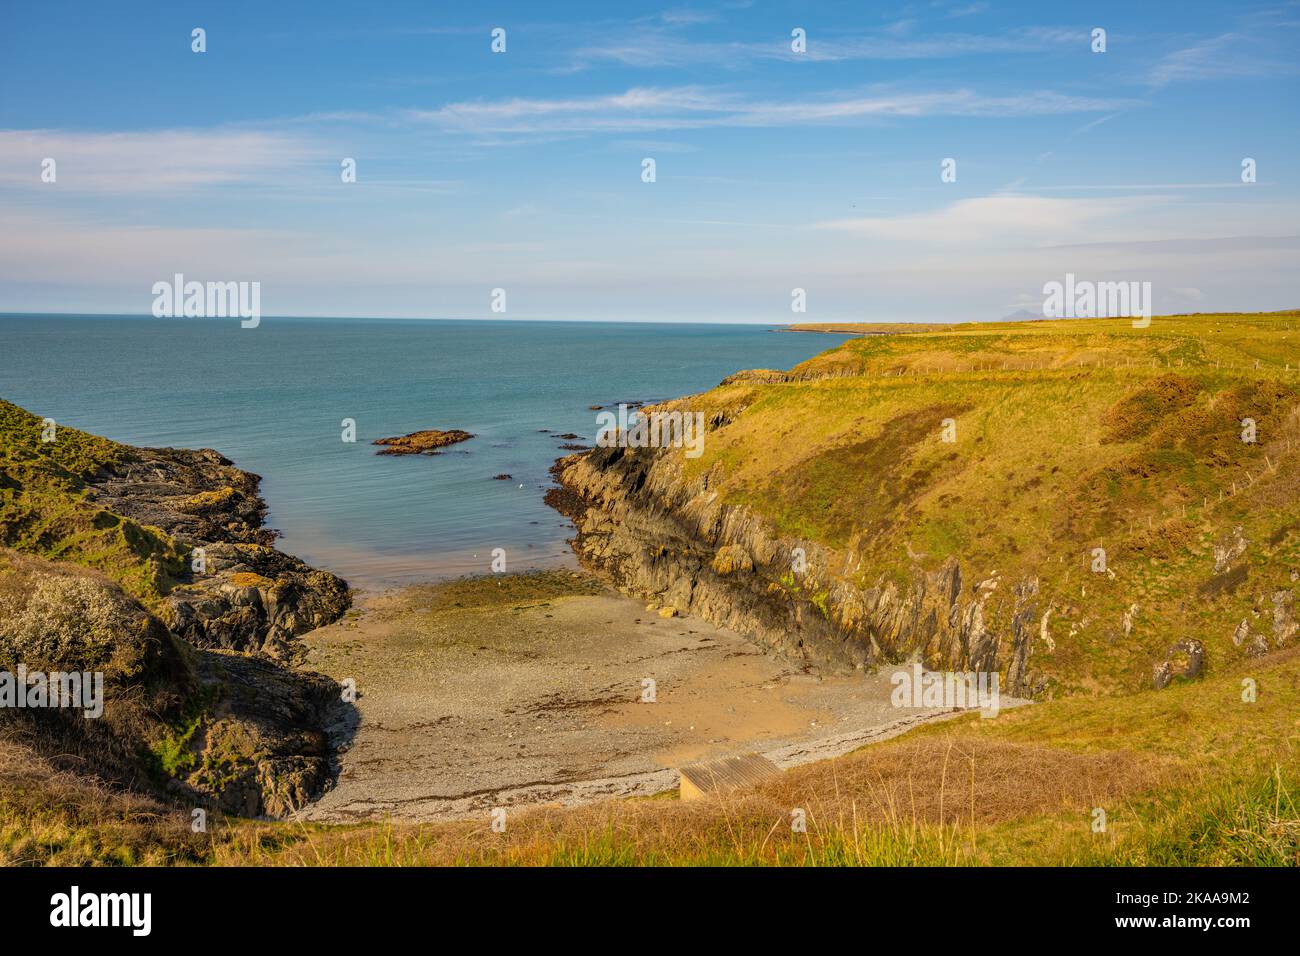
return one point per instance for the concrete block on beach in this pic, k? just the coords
(725, 775)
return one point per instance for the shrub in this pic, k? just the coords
(69, 623)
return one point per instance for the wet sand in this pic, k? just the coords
(528, 689)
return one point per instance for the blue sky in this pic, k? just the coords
(775, 170)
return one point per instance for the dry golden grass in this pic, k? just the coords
(955, 777)
(49, 817)
(917, 791)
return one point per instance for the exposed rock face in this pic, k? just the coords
(254, 598)
(1272, 623)
(425, 442)
(1186, 658)
(1228, 549)
(195, 495)
(226, 730)
(660, 537)
(263, 750)
(1285, 626)
(247, 595)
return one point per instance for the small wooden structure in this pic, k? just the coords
(724, 775)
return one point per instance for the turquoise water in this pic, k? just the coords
(272, 398)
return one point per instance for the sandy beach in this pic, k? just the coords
(528, 689)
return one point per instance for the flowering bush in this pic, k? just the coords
(67, 623)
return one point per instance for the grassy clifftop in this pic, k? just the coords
(45, 508)
(1021, 449)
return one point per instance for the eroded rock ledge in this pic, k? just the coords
(249, 596)
(659, 536)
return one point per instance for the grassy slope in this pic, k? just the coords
(1071, 435)
(44, 510)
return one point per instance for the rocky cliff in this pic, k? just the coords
(1083, 507)
(666, 538)
(236, 591)
(206, 728)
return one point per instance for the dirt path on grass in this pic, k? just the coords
(527, 689)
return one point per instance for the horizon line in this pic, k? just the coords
(397, 318)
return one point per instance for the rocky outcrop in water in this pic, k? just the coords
(661, 537)
(425, 442)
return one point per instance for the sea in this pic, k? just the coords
(274, 398)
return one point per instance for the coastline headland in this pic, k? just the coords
(151, 567)
(1012, 504)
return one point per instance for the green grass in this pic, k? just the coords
(45, 510)
(171, 755)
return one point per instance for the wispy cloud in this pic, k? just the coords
(151, 161)
(1088, 127)
(1206, 246)
(966, 10)
(1001, 219)
(1222, 56)
(687, 17)
(656, 146)
(946, 45)
(643, 109)
(655, 46)
(1145, 187)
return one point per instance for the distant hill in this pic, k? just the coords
(1023, 315)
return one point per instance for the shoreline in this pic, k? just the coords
(527, 689)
